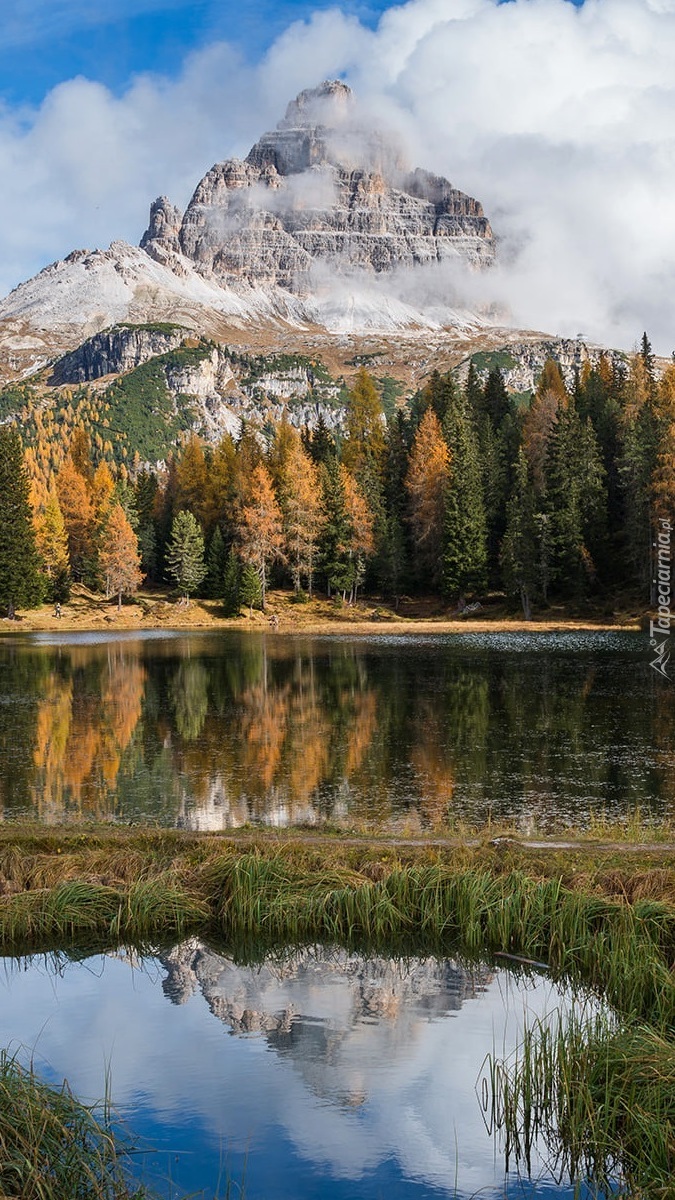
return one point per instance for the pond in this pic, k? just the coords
(316, 1073)
(205, 731)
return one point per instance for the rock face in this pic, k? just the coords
(318, 193)
(115, 351)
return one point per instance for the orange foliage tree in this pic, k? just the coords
(119, 556)
(426, 482)
(259, 531)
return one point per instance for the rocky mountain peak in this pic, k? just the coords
(329, 104)
(324, 190)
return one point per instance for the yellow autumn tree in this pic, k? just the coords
(426, 483)
(549, 399)
(78, 515)
(299, 492)
(361, 538)
(191, 481)
(51, 536)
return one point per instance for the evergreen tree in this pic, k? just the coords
(465, 532)
(496, 399)
(335, 563)
(319, 444)
(185, 554)
(519, 547)
(394, 563)
(250, 589)
(574, 503)
(231, 585)
(21, 584)
(215, 565)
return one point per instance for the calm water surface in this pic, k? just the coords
(317, 1075)
(210, 731)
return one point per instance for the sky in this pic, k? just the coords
(559, 117)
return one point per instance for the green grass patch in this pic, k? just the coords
(52, 1147)
(596, 1097)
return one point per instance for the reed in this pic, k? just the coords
(598, 1100)
(52, 1147)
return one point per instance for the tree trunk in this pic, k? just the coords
(119, 600)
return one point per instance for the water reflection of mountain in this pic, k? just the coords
(334, 1015)
(212, 732)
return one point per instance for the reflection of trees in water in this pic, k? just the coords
(23, 676)
(189, 698)
(273, 729)
(85, 722)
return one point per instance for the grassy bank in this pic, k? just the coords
(52, 1147)
(598, 1099)
(584, 910)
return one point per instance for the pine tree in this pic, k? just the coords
(231, 585)
(185, 554)
(519, 547)
(215, 564)
(119, 556)
(250, 589)
(465, 532)
(333, 547)
(21, 584)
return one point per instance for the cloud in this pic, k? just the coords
(561, 120)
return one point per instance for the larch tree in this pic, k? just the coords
(119, 555)
(21, 583)
(299, 494)
(185, 554)
(426, 483)
(361, 538)
(192, 480)
(365, 444)
(52, 542)
(259, 533)
(78, 515)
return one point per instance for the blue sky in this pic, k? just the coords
(44, 42)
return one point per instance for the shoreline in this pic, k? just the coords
(86, 613)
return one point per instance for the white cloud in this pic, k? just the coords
(560, 120)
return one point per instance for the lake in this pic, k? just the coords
(318, 1073)
(212, 731)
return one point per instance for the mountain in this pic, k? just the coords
(318, 190)
(306, 237)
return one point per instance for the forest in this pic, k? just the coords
(464, 491)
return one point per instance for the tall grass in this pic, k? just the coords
(52, 1147)
(624, 951)
(597, 1099)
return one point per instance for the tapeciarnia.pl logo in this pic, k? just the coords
(659, 629)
